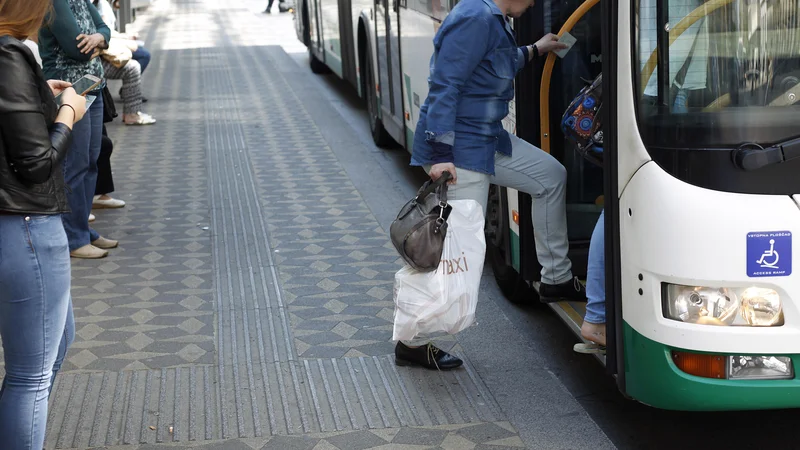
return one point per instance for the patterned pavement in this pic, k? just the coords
(249, 304)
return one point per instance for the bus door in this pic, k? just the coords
(581, 65)
(389, 74)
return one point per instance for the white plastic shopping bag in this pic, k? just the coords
(444, 300)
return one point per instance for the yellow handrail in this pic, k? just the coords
(544, 90)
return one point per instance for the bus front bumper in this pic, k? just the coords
(651, 377)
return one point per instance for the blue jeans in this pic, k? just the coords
(142, 56)
(34, 304)
(80, 174)
(596, 276)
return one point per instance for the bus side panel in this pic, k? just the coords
(329, 17)
(416, 41)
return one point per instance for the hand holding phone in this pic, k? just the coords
(83, 86)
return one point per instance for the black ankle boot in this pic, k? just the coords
(571, 291)
(427, 356)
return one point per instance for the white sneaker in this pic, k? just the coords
(91, 218)
(97, 203)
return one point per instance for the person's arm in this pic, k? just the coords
(526, 54)
(33, 150)
(101, 26)
(65, 30)
(463, 46)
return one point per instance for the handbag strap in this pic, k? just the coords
(430, 186)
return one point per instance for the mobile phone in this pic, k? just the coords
(86, 84)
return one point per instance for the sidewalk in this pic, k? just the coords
(249, 305)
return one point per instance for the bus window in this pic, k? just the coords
(733, 71)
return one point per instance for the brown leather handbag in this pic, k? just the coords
(419, 230)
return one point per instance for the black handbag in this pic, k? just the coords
(109, 108)
(419, 230)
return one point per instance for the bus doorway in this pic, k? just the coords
(582, 64)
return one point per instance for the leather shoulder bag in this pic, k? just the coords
(419, 230)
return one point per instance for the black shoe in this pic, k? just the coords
(427, 356)
(144, 99)
(283, 9)
(267, 11)
(571, 291)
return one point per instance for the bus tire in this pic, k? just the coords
(498, 237)
(316, 65)
(380, 136)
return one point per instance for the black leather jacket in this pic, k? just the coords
(32, 145)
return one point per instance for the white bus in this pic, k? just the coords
(699, 176)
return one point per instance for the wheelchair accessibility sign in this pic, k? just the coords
(769, 254)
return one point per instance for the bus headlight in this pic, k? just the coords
(753, 306)
(760, 367)
(702, 305)
(761, 307)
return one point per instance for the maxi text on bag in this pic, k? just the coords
(444, 300)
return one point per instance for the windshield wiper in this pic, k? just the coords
(754, 157)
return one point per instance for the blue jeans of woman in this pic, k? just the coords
(596, 275)
(80, 174)
(142, 56)
(34, 305)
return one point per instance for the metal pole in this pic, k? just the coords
(124, 14)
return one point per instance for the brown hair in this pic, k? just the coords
(22, 18)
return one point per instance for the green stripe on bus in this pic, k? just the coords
(652, 378)
(515, 250)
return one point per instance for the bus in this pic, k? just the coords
(698, 181)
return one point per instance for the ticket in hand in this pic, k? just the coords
(568, 39)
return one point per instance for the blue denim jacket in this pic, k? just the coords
(472, 70)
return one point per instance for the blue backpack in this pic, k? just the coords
(581, 122)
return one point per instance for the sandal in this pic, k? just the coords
(142, 119)
(589, 348)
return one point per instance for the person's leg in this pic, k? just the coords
(269, 6)
(76, 166)
(35, 275)
(105, 180)
(131, 88)
(535, 172)
(419, 352)
(95, 116)
(142, 56)
(594, 322)
(66, 341)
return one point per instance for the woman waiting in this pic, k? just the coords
(35, 136)
(130, 74)
(69, 43)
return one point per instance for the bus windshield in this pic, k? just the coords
(717, 73)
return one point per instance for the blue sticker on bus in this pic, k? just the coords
(769, 254)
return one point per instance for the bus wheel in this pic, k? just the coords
(379, 134)
(498, 247)
(317, 66)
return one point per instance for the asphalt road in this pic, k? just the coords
(629, 424)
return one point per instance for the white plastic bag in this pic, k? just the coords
(444, 301)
